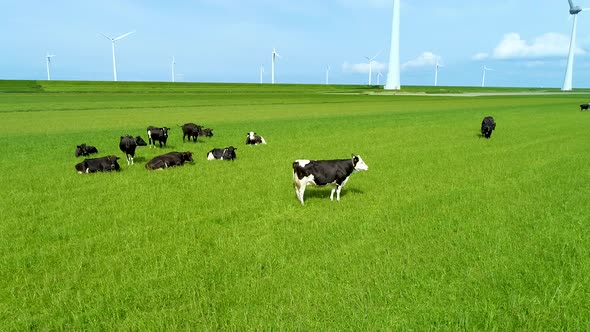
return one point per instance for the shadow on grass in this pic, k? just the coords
(324, 192)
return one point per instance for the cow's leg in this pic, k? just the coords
(332, 193)
(340, 188)
(299, 187)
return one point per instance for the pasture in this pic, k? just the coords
(445, 231)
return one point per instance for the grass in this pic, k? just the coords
(446, 231)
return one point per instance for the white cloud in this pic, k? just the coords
(550, 44)
(425, 59)
(480, 56)
(363, 68)
(533, 64)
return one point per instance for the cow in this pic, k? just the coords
(323, 172)
(170, 159)
(584, 107)
(228, 153)
(191, 130)
(102, 164)
(207, 132)
(128, 144)
(159, 134)
(254, 139)
(85, 150)
(487, 125)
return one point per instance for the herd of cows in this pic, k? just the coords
(305, 172)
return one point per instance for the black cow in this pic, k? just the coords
(323, 172)
(170, 159)
(191, 130)
(584, 107)
(487, 125)
(128, 144)
(207, 132)
(85, 150)
(159, 134)
(254, 139)
(102, 164)
(228, 153)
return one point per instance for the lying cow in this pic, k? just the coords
(102, 164)
(191, 130)
(128, 144)
(323, 172)
(170, 159)
(85, 150)
(584, 107)
(157, 134)
(254, 139)
(487, 125)
(228, 153)
(207, 132)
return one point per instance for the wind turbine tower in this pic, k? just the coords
(436, 71)
(113, 40)
(49, 56)
(371, 65)
(173, 63)
(393, 81)
(567, 81)
(272, 68)
(327, 73)
(261, 73)
(483, 78)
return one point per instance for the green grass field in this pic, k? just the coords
(446, 231)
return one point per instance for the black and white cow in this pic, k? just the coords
(159, 134)
(584, 107)
(254, 139)
(85, 150)
(102, 164)
(207, 132)
(323, 172)
(228, 153)
(487, 125)
(191, 130)
(170, 159)
(128, 144)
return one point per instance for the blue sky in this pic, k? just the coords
(524, 41)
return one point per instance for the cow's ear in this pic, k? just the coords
(353, 156)
(121, 137)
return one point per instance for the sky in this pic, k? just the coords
(524, 42)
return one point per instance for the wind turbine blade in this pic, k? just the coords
(107, 37)
(123, 36)
(376, 55)
(585, 9)
(571, 4)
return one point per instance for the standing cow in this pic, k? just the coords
(191, 130)
(487, 125)
(228, 153)
(584, 107)
(128, 144)
(159, 134)
(254, 139)
(323, 172)
(170, 159)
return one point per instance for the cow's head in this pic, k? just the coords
(165, 131)
(251, 135)
(79, 150)
(208, 132)
(187, 156)
(229, 153)
(113, 162)
(359, 164)
(139, 141)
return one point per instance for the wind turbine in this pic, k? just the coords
(371, 65)
(49, 56)
(272, 68)
(261, 72)
(113, 40)
(483, 78)
(436, 71)
(393, 82)
(567, 81)
(327, 73)
(173, 63)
